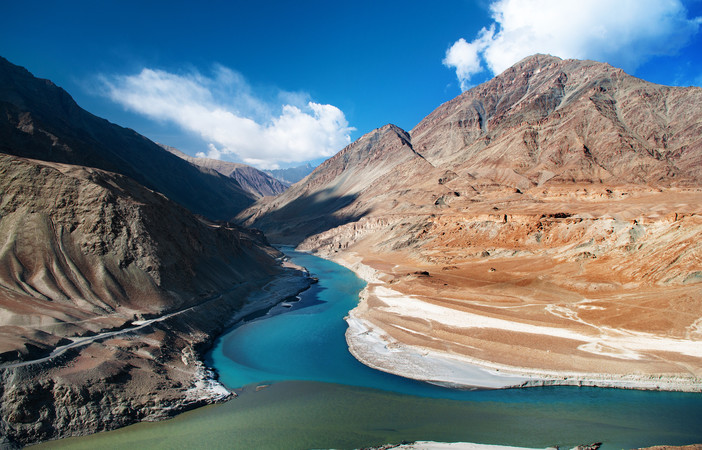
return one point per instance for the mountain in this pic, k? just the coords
(82, 243)
(256, 182)
(41, 121)
(545, 119)
(291, 175)
(111, 292)
(543, 122)
(532, 225)
(86, 253)
(334, 193)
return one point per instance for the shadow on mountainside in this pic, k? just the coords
(308, 215)
(39, 120)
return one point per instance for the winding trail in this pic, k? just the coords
(136, 325)
(82, 341)
(252, 296)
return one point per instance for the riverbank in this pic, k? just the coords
(150, 373)
(383, 334)
(430, 445)
(345, 404)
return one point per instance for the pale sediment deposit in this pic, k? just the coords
(401, 334)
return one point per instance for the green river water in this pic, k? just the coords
(318, 396)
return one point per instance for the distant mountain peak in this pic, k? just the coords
(291, 175)
(256, 182)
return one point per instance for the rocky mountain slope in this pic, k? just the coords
(80, 242)
(40, 120)
(543, 122)
(546, 119)
(84, 252)
(110, 291)
(342, 189)
(561, 198)
(256, 182)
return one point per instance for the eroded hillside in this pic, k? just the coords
(546, 221)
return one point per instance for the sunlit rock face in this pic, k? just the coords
(562, 194)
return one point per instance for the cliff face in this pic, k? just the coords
(563, 194)
(41, 121)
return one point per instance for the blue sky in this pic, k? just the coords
(278, 83)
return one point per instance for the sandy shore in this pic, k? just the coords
(371, 343)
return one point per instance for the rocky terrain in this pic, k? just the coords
(111, 292)
(254, 181)
(544, 222)
(335, 192)
(83, 252)
(40, 120)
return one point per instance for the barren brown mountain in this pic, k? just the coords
(111, 292)
(545, 223)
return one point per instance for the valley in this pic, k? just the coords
(523, 227)
(541, 229)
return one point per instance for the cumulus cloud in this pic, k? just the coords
(624, 33)
(225, 112)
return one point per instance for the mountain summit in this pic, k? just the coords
(568, 120)
(531, 226)
(544, 122)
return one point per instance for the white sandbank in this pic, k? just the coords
(375, 348)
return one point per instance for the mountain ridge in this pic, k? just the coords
(111, 291)
(334, 185)
(291, 175)
(560, 198)
(543, 122)
(256, 182)
(42, 121)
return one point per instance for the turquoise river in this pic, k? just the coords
(300, 388)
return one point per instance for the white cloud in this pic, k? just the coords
(624, 33)
(212, 152)
(223, 110)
